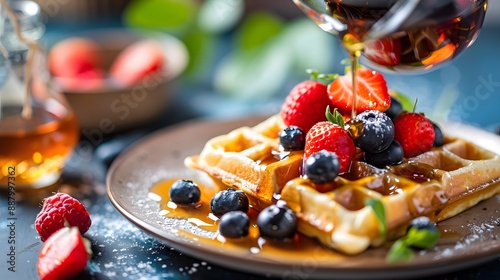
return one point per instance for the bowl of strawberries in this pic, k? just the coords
(116, 79)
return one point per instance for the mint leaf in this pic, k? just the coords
(399, 252)
(379, 210)
(335, 118)
(422, 238)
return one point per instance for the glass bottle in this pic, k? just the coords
(38, 130)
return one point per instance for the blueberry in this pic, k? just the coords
(234, 224)
(390, 156)
(292, 138)
(277, 222)
(438, 138)
(322, 167)
(229, 200)
(185, 192)
(423, 223)
(377, 133)
(394, 109)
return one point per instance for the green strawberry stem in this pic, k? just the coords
(415, 105)
(335, 118)
(325, 78)
(348, 66)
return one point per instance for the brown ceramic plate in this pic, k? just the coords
(470, 238)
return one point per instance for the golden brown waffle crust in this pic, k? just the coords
(459, 175)
(244, 159)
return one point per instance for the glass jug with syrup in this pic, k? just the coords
(38, 130)
(400, 36)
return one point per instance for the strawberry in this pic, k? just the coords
(59, 209)
(414, 132)
(64, 255)
(137, 61)
(332, 137)
(385, 51)
(305, 105)
(372, 92)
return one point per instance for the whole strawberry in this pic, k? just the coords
(64, 255)
(415, 133)
(58, 210)
(372, 92)
(305, 104)
(331, 137)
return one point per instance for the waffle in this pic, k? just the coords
(439, 184)
(248, 158)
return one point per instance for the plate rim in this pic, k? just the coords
(267, 267)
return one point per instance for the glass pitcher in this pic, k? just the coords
(38, 130)
(400, 36)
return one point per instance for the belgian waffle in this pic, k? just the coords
(439, 184)
(248, 158)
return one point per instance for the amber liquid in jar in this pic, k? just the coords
(34, 150)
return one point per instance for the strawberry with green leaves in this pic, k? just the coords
(372, 92)
(305, 104)
(331, 136)
(414, 132)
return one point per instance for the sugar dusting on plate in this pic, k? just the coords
(123, 250)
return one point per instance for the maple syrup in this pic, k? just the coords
(429, 36)
(200, 215)
(34, 150)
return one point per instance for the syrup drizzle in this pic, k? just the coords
(200, 217)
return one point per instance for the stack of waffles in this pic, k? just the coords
(439, 184)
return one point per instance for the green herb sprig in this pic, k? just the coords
(379, 210)
(402, 249)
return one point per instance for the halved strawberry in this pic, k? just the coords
(385, 51)
(64, 255)
(137, 61)
(372, 92)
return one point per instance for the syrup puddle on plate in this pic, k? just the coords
(206, 225)
(203, 229)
